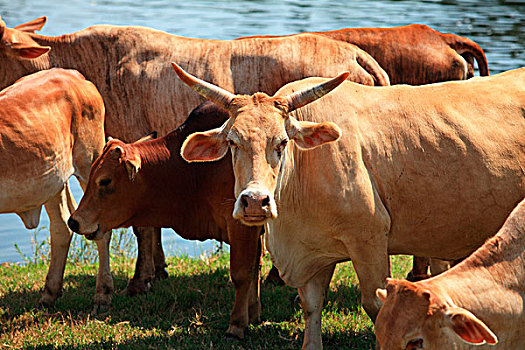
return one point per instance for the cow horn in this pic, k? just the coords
(301, 98)
(209, 91)
(2, 28)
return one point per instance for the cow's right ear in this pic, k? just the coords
(32, 26)
(28, 51)
(205, 146)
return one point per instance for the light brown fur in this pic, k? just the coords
(51, 127)
(489, 284)
(430, 170)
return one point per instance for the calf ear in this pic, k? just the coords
(132, 167)
(381, 294)
(151, 136)
(28, 51)
(309, 135)
(204, 146)
(33, 25)
(468, 327)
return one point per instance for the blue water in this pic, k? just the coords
(498, 26)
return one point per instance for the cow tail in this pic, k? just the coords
(466, 47)
(373, 68)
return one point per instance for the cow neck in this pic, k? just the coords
(173, 197)
(67, 51)
(496, 267)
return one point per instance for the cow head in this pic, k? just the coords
(108, 201)
(257, 134)
(414, 318)
(18, 50)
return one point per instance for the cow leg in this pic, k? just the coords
(312, 296)
(58, 211)
(372, 267)
(159, 260)
(419, 269)
(104, 287)
(144, 269)
(245, 257)
(254, 304)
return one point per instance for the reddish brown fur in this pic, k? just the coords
(415, 54)
(196, 200)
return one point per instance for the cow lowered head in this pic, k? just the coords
(110, 180)
(257, 134)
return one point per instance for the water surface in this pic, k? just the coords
(498, 26)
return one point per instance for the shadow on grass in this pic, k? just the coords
(187, 311)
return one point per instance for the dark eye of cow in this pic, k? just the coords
(415, 344)
(232, 144)
(104, 182)
(280, 147)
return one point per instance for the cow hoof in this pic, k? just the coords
(161, 274)
(103, 300)
(47, 300)
(99, 309)
(234, 333)
(136, 287)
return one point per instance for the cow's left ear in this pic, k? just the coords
(205, 146)
(132, 163)
(468, 327)
(308, 135)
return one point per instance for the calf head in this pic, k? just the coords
(257, 134)
(414, 318)
(112, 194)
(18, 50)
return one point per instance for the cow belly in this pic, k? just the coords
(17, 195)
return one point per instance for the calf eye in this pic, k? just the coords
(415, 344)
(104, 182)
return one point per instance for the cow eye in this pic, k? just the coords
(415, 344)
(280, 147)
(232, 144)
(104, 182)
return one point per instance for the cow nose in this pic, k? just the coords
(73, 224)
(255, 201)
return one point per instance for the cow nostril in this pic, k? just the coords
(266, 201)
(244, 201)
(73, 224)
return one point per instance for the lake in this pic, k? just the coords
(498, 26)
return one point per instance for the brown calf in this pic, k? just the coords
(154, 186)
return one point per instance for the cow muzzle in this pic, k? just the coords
(92, 235)
(254, 207)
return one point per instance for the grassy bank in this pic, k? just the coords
(189, 310)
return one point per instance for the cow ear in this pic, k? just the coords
(151, 136)
(468, 327)
(132, 167)
(28, 51)
(381, 294)
(204, 146)
(308, 135)
(32, 26)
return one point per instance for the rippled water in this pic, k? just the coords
(498, 26)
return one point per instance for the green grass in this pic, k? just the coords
(188, 310)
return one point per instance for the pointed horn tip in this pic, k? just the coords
(177, 68)
(343, 75)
